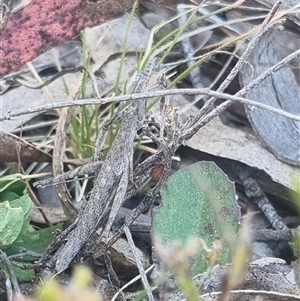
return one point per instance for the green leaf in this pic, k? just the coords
(199, 201)
(21, 274)
(8, 196)
(36, 241)
(26, 204)
(13, 183)
(24, 275)
(11, 223)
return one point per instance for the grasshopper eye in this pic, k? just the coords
(157, 171)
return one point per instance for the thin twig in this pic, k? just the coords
(9, 115)
(11, 272)
(256, 194)
(146, 202)
(202, 118)
(139, 264)
(112, 181)
(61, 178)
(194, 126)
(130, 282)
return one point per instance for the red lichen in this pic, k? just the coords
(46, 23)
(39, 26)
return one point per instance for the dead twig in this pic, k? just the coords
(111, 183)
(138, 264)
(256, 194)
(197, 122)
(205, 109)
(99, 249)
(62, 178)
(12, 276)
(58, 158)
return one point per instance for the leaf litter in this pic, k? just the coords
(232, 142)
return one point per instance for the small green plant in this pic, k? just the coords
(83, 132)
(17, 236)
(85, 126)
